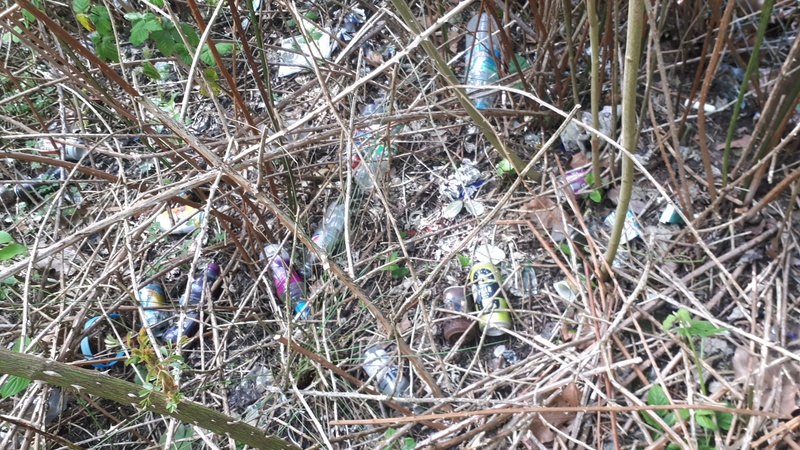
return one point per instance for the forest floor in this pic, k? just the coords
(119, 176)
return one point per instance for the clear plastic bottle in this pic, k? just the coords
(191, 324)
(326, 235)
(288, 284)
(483, 53)
(376, 158)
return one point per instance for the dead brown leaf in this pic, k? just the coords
(546, 214)
(373, 58)
(542, 426)
(579, 160)
(778, 381)
(742, 142)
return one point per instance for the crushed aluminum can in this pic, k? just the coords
(379, 366)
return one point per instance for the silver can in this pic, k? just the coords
(379, 366)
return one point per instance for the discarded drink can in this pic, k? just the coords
(202, 282)
(379, 366)
(456, 300)
(489, 301)
(152, 296)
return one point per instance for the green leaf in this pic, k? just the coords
(164, 40)
(206, 56)
(150, 71)
(12, 250)
(180, 49)
(724, 420)
(13, 386)
(101, 20)
(106, 48)
(668, 322)
(703, 328)
(389, 433)
(139, 32)
(152, 23)
(656, 396)
(81, 6)
(224, 48)
(521, 61)
(159, 3)
(409, 444)
(596, 196)
(10, 281)
(191, 34)
(504, 167)
(650, 420)
(5, 237)
(184, 434)
(706, 421)
(464, 260)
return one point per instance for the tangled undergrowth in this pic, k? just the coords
(144, 141)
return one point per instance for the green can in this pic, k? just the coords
(495, 315)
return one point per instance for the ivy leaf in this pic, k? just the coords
(150, 71)
(5, 237)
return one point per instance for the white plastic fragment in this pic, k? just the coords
(566, 290)
(489, 253)
(179, 214)
(297, 52)
(696, 106)
(629, 231)
(670, 215)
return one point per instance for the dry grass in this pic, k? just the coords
(265, 155)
